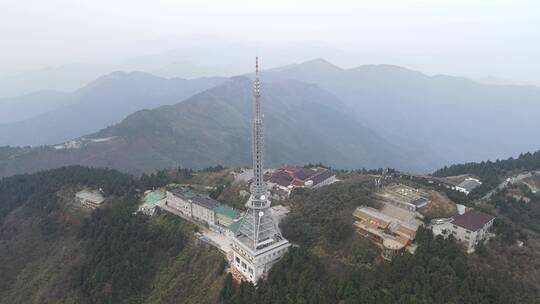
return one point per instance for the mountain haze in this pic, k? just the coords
(458, 119)
(103, 102)
(27, 106)
(65, 78)
(303, 124)
(369, 116)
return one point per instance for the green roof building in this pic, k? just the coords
(235, 226)
(225, 215)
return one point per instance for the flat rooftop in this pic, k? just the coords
(409, 223)
(93, 196)
(205, 201)
(154, 197)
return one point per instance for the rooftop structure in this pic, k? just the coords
(391, 234)
(404, 197)
(472, 220)
(182, 192)
(225, 216)
(468, 226)
(205, 201)
(227, 211)
(151, 202)
(90, 198)
(283, 180)
(153, 197)
(233, 227)
(258, 243)
(421, 202)
(468, 185)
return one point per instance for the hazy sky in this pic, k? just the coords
(472, 38)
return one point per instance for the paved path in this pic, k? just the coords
(506, 182)
(219, 240)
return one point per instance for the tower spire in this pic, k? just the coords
(257, 66)
(258, 187)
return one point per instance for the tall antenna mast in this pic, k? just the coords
(258, 243)
(258, 187)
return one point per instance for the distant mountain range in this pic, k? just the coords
(370, 116)
(458, 119)
(193, 60)
(303, 124)
(64, 78)
(27, 106)
(51, 117)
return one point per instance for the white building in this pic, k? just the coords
(180, 199)
(468, 185)
(203, 209)
(255, 264)
(90, 198)
(469, 228)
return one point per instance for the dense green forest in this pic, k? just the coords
(492, 173)
(54, 252)
(439, 272)
(334, 265)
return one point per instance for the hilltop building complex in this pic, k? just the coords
(198, 208)
(283, 180)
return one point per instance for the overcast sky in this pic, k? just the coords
(470, 38)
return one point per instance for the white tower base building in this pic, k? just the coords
(253, 265)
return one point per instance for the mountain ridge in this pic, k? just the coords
(432, 111)
(303, 123)
(99, 104)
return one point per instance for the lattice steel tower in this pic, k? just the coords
(258, 243)
(258, 187)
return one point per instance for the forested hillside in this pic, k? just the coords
(54, 251)
(334, 265)
(493, 172)
(524, 162)
(44, 118)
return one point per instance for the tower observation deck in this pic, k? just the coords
(258, 243)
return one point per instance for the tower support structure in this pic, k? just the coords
(258, 243)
